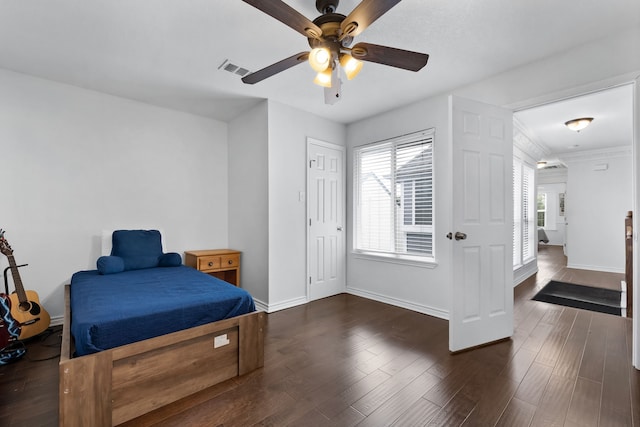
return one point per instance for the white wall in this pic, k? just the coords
(267, 219)
(596, 205)
(418, 288)
(75, 162)
(288, 132)
(249, 199)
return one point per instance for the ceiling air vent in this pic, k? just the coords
(233, 68)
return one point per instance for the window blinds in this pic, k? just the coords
(525, 234)
(394, 195)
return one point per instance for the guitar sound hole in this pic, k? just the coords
(31, 307)
(35, 309)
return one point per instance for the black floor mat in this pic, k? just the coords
(580, 296)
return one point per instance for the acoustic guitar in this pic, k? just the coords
(25, 305)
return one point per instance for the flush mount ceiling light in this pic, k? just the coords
(329, 37)
(579, 124)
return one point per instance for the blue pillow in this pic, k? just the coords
(170, 259)
(137, 248)
(110, 264)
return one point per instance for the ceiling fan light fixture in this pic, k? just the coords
(323, 78)
(579, 124)
(319, 59)
(350, 65)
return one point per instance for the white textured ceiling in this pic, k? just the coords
(612, 125)
(167, 52)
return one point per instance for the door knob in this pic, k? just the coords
(339, 228)
(460, 236)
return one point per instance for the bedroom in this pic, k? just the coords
(77, 161)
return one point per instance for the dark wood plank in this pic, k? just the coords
(592, 366)
(553, 407)
(419, 414)
(552, 347)
(338, 403)
(584, 409)
(634, 379)
(492, 404)
(570, 358)
(372, 400)
(518, 413)
(534, 383)
(399, 403)
(616, 387)
(518, 367)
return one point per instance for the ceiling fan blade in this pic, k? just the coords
(405, 59)
(288, 16)
(273, 69)
(363, 15)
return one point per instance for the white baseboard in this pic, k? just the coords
(596, 268)
(260, 306)
(57, 320)
(270, 308)
(431, 311)
(524, 272)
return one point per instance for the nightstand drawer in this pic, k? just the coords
(229, 260)
(221, 263)
(208, 263)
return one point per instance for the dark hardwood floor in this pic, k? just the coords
(346, 361)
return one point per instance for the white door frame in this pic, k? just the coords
(629, 78)
(343, 269)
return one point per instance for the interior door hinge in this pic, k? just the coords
(309, 279)
(309, 222)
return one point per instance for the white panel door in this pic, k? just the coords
(482, 235)
(326, 241)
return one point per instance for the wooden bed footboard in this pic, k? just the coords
(117, 385)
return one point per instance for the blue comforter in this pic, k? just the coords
(116, 309)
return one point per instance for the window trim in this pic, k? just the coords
(425, 261)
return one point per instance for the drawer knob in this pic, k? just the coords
(210, 263)
(230, 261)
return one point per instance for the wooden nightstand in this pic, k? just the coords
(221, 263)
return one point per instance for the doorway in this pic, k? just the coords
(595, 167)
(604, 149)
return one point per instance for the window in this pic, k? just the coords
(542, 209)
(393, 190)
(524, 214)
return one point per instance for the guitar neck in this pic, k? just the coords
(17, 281)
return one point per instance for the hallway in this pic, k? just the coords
(552, 264)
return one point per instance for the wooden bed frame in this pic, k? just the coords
(120, 384)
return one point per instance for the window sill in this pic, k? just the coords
(397, 259)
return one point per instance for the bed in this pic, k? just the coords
(141, 338)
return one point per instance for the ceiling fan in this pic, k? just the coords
(330, 36)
